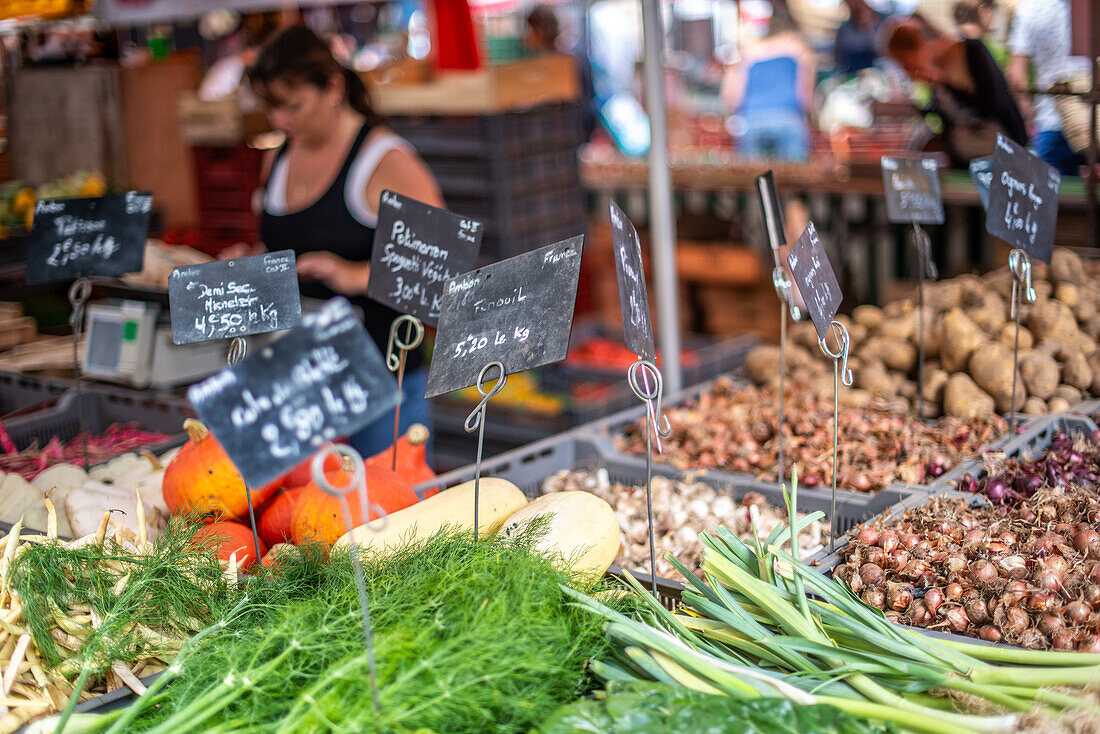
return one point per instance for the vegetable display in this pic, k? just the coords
(733, 427)
(750, 631)
(969, 339)
(1023, 568)
(117, 439)
(682, 509)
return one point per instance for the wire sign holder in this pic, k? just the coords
(79, 292)
(814, 276)
(912, 188)
(396, 353)
(656, 427)
(475, 421)
(1022, 211)
(784, 290)
(353, 463)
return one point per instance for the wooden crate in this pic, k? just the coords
(496, 88)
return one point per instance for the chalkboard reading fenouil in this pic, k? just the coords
(518, 312)
(912, 190)
(416, 248)
(73, 238)
(815, 279)
(1023, 200)
(230, 298)
(633, 297)
(324, 379)
(981, 171)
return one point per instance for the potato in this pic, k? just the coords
(858, 334)
(868, 316)
(1067, 294)
(1076, 371)
(900, 327)
(1043, 289)
(1094, 364)
(897, 354)
(945, 295)
(1007, 336)
(907, 389)
(1070, 394)
(804, 335)
(1066, 266)
(1054, 320)
(989, 313)
(762, 362)
(874, 378)
(1085, 311)
(959, 337)
(964, 399)
(934, 382)
(855, 398)
(1040, 373)
(1035, 406)
(1057, 405)
(991, 367)
(1051, 347)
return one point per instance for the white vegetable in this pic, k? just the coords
(117, 467)
(85, 506)
(19, 498)
(60, 478)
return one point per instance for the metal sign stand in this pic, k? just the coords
(475, 421)
(656, 426)
(783, 291)
(238, 350)
(396, 352)
(927, 269)
(1020, 265)
(354, 463)
(79, 292)
(841, 374)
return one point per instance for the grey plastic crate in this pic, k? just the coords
(19, 392)
(101, 409)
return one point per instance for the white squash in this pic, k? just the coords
(118, 467)
(21, 499)
(582, 533)
(498, 499)
(85, 505)
(60, 478)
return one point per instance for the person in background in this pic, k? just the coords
(227, 75)
(1040, 38)
(542, 31)
(974, 19)
(856, 46)
(770, 89)
(969, 92)
(322, 189)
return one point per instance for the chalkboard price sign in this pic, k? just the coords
(322, 380)
(73, 238)
(518, 312)
(815, 279)
(912, 190)
(633, 297)
(416, 248)
(1023, 200)
(231, 298)
(981, 171)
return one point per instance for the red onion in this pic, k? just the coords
(983, 572)
(953, 591)
(1092, 596)
(976, 610)
(1016, 621)
(1089, 644)
(1062, 640)
(957, 619)
(1048, 580)
(1058, 564)
(1076, 612)
(908, 540)
(995, 488)
(955, 563)
(868, 535)
(990, 633)
(899, 597)
(1087, 543)
(1013, 566)
(871, 574)
(932, 599)
(888, 541)
(1014, 593)
(1094, 573)
(1049, 624)
(920, 614)
(1032, 638)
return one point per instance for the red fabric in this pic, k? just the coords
(453, 38)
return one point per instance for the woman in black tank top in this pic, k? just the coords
(323, 186)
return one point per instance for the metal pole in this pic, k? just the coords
(662, 225)
(1090, 178)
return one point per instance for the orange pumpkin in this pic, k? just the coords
(319, 516)
(229, 537)
(412, 462)
(275, 522)
(202, 479)
(301, 475)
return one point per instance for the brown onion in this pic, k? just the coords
(899, 597)
(1037, 602)
(875, 556)
(955, 563)
(888, 541)
(957, 619)
(1094, 573)
(1014, 593)
(1048, 580)
(868, 535)
(953, 591)
(908, 540)
(1032, 638)
(872, 574)
(897, 560)
(996, 547)
(1016, 621)
(1089, 644)
(990, 633)
(920, 614)
(1056, 564)
(932, 599)
(1087, 543)
(1063, 640)
(1076, 612)
(893, 617)
(973, 538)
(873, 596)
(1049, 624)
(1013, 566)
(976, 610)
(983, 572)
(1092, 596)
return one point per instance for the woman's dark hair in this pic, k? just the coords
(966, 11)
(544, 22)
(297, 55)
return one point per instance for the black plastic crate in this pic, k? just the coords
(460, 176)
(24, 393)
(545, 127)
(101, 409)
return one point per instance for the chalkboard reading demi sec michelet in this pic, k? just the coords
(981, 171)
(322, 380)
(912, 190)
(816, 281)
(1023, 199)
(230, 298)
(633, 297)
(416, 248)
(518, 312)
(73, 238)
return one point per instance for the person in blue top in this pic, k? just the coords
(856, 46)
(770, 90)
